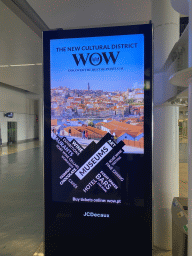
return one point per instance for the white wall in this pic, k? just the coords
(19, 45)
(24, 109)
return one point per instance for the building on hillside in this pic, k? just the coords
(126, 136)
(80, 111)
(139, 97)
(69, 110)
(69, 100)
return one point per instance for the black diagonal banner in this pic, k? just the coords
(87, 175)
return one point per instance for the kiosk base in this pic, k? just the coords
(102, 236)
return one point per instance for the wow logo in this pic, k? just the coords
(96, 59)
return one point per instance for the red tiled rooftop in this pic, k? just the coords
(119, 127)
(53, 122)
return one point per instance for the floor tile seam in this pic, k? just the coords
(21, 145)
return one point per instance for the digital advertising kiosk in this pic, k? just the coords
(98, 140)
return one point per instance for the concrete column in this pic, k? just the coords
(166, 172)
(166, 133)
(190, 133)
(166, 30)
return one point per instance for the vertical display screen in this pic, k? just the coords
(97, 114)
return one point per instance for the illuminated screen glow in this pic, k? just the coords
(97, 114)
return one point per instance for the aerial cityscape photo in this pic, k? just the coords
(86, 115)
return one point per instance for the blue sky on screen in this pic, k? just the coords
(126, 59)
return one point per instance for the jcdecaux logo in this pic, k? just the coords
(97, 215)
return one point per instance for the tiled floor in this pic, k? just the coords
(21, 197)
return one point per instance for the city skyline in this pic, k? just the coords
(135, 86)
(95, 103)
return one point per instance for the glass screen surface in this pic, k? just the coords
(97, 115)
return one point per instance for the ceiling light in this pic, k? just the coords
(22, 65)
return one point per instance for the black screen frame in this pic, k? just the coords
(139, 200)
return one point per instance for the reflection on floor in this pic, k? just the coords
(40, 250)
(21, 197)
(158, 252)
(183, 179)
(14, 148)
(155, 252)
